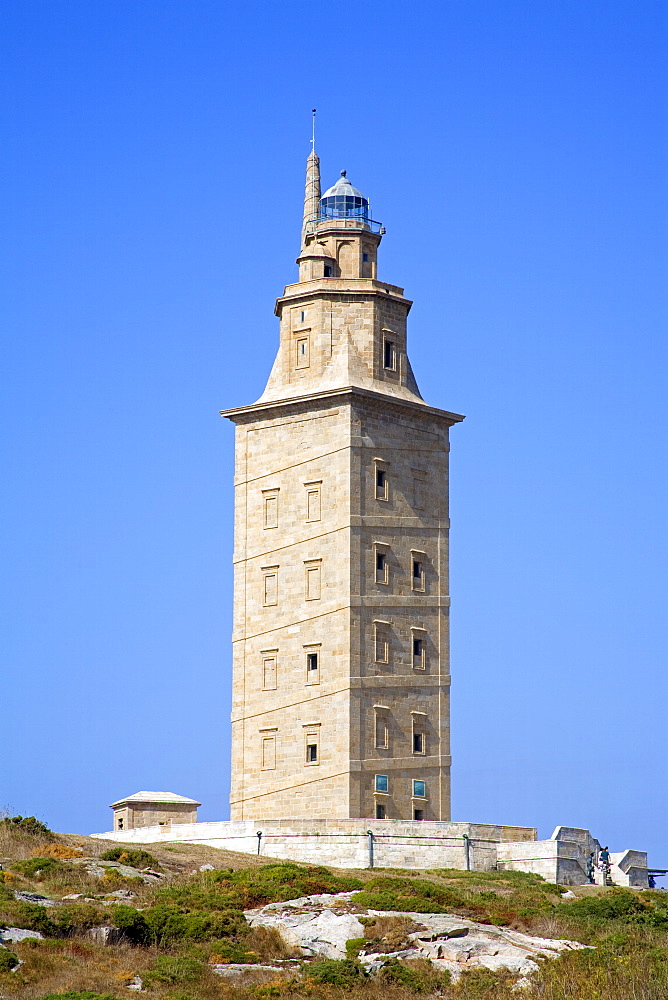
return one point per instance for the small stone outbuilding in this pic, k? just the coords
(153, 809)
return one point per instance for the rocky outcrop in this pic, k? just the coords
(321, 925)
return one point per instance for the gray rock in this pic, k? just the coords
(206, 868)
(321, 925)
(34, 897)
(105, 935)
(74, 895)
(123, 894)
(136, 983)
(13, 934)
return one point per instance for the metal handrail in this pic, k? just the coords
(311, 225)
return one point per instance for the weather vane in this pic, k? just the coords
(313, 131)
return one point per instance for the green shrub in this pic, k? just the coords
(411, 895)
(77, 917)
(38, 868)
(31, 917)
(135, 859)
(163, 925)
(620, 904)
(345, 972)
(77, 995)
(418, 976)
(8, 960)
(30, 825)
(170, 970)
(354, 947)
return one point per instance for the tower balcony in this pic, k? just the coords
(325, 222)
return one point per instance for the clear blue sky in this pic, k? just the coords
(152, 175)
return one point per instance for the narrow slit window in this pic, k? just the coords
(381, 567)
(271, 510)
(269, 672)
(389, 356)
(313, 667)
(270, 584)
(381, 484)
(382, 731)
(382, 645)
(418, 741)
(303, 315)
(302, 352)
(418, 573)
(418, 653)
(313, 582)
(313, 501)
(418, 492)
(268, 753)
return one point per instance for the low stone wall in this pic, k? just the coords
(346, 843)
(396, 843)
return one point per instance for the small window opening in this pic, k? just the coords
(312, 662)
(418, 574)
(381, 484)
(303, 315)
(382, 733)
(419, 789)
(381, 567)
(418, 652)
(389, 357)
(120, 824)
(311, 752)
(382, 646)
(328, 270)
(365, 258)
(418, 742)
(418, 814)
(382, 783)
(380, 811)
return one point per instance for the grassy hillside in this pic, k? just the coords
(178, 922)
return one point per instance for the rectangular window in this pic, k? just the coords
(418, 741)
(418, 814)
(418, 577)
(380, 810)
(382, 784)
(381, 484)
(303, 315)
(313, 501)
(381, 643)
(389, 356)
(382, 733)
(313, 666)
(328, 270)
(269, 673)
(312, 743)
(382, 566)
(418, 492)
(365, 258)
(418, 653)
(270, 502)
(268, 753)
(419, 789)
(312, 583)
(270, 586)
(302, 352)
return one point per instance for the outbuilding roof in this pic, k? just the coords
(153, 798)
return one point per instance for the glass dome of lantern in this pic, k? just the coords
(343, 201)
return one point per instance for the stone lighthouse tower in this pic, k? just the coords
(341, 667)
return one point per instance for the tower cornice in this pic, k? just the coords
(333, 288)
(240, 414)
